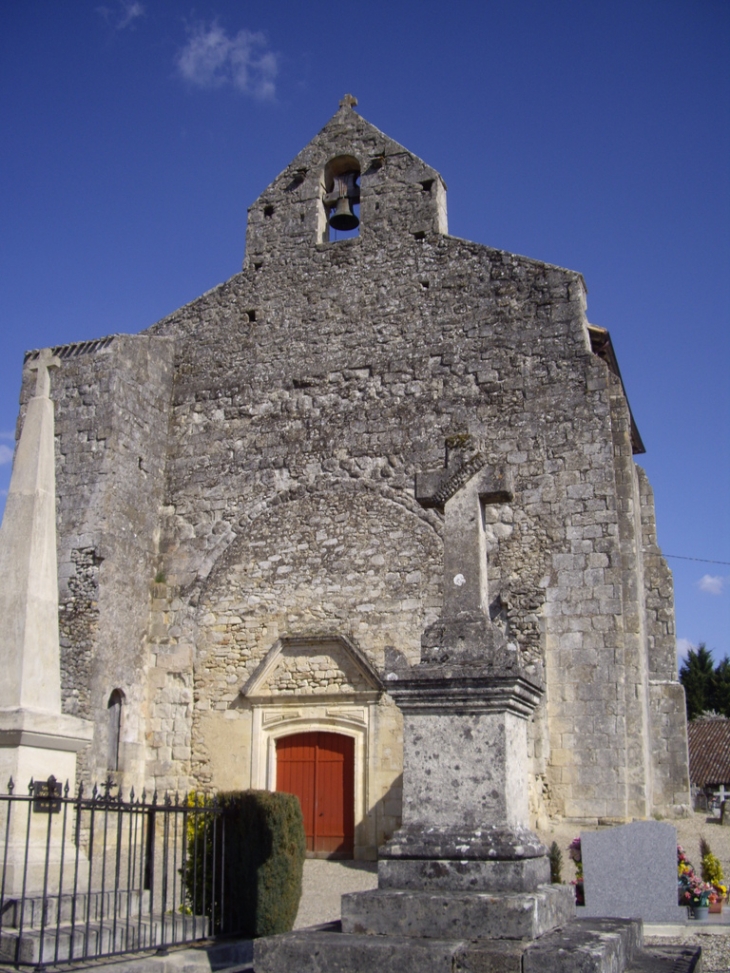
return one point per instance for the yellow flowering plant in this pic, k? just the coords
(712, 872)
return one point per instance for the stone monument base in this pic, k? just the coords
(35, 745)
(580, 946)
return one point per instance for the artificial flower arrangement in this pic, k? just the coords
(693, 891)
(575, 854)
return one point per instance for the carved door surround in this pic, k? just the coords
(287, 696)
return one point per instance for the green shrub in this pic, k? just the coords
(556, 863)
(264, 860)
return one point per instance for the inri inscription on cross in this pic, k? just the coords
(461, 490)
(45, 360)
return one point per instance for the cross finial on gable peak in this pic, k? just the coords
(349, 101)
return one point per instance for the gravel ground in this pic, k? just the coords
(326, 881)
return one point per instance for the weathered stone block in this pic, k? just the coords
(586, 946)
(468, 915)
(495, 957)
(523, 875)
(333, 952)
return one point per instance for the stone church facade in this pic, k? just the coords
(243, 544)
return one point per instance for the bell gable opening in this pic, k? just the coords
(340, 211)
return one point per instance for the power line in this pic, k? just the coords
(704, 560)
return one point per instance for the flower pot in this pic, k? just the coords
(716, 906)
(700, 912)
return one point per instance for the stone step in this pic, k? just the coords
(336, 952)
(100, 939)
(586, 946)
(457, 915)
(35, 910)
(581, 946)
(231, 956)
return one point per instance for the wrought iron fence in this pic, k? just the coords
(98, 875)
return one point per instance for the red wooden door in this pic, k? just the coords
(320, 769)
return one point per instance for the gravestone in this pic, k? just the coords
(631, 872)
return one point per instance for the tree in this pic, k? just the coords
(721, 687)
(696, 675)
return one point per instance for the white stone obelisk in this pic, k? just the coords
(36, 739)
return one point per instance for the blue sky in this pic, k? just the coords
(135, 133)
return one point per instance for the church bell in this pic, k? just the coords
(344, 193)
(343, 218)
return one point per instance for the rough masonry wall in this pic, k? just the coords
(112, 406)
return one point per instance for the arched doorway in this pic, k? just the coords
(320, 769)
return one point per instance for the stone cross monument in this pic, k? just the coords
(465, 707)
(464, 867)
(36, 739)
(464, 884)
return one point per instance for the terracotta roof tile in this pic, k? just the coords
(709, 751)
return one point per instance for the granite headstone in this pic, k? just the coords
(631, 872)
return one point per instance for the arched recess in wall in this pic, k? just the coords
(340, 211)
(114, 728)
(405, 580)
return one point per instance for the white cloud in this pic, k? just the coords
(212, 59)
(131, 10)
(683, 647)
(712, 584)
(6, 454)
(125, 14)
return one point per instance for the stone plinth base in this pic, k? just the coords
(32, 873)
(487, 843)
(524, 875)
(468, 915)
(24, 764)
(589, 946)
(35, 745)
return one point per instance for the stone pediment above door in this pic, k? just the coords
(313, 666)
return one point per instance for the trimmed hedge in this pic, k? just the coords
(264, 861)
